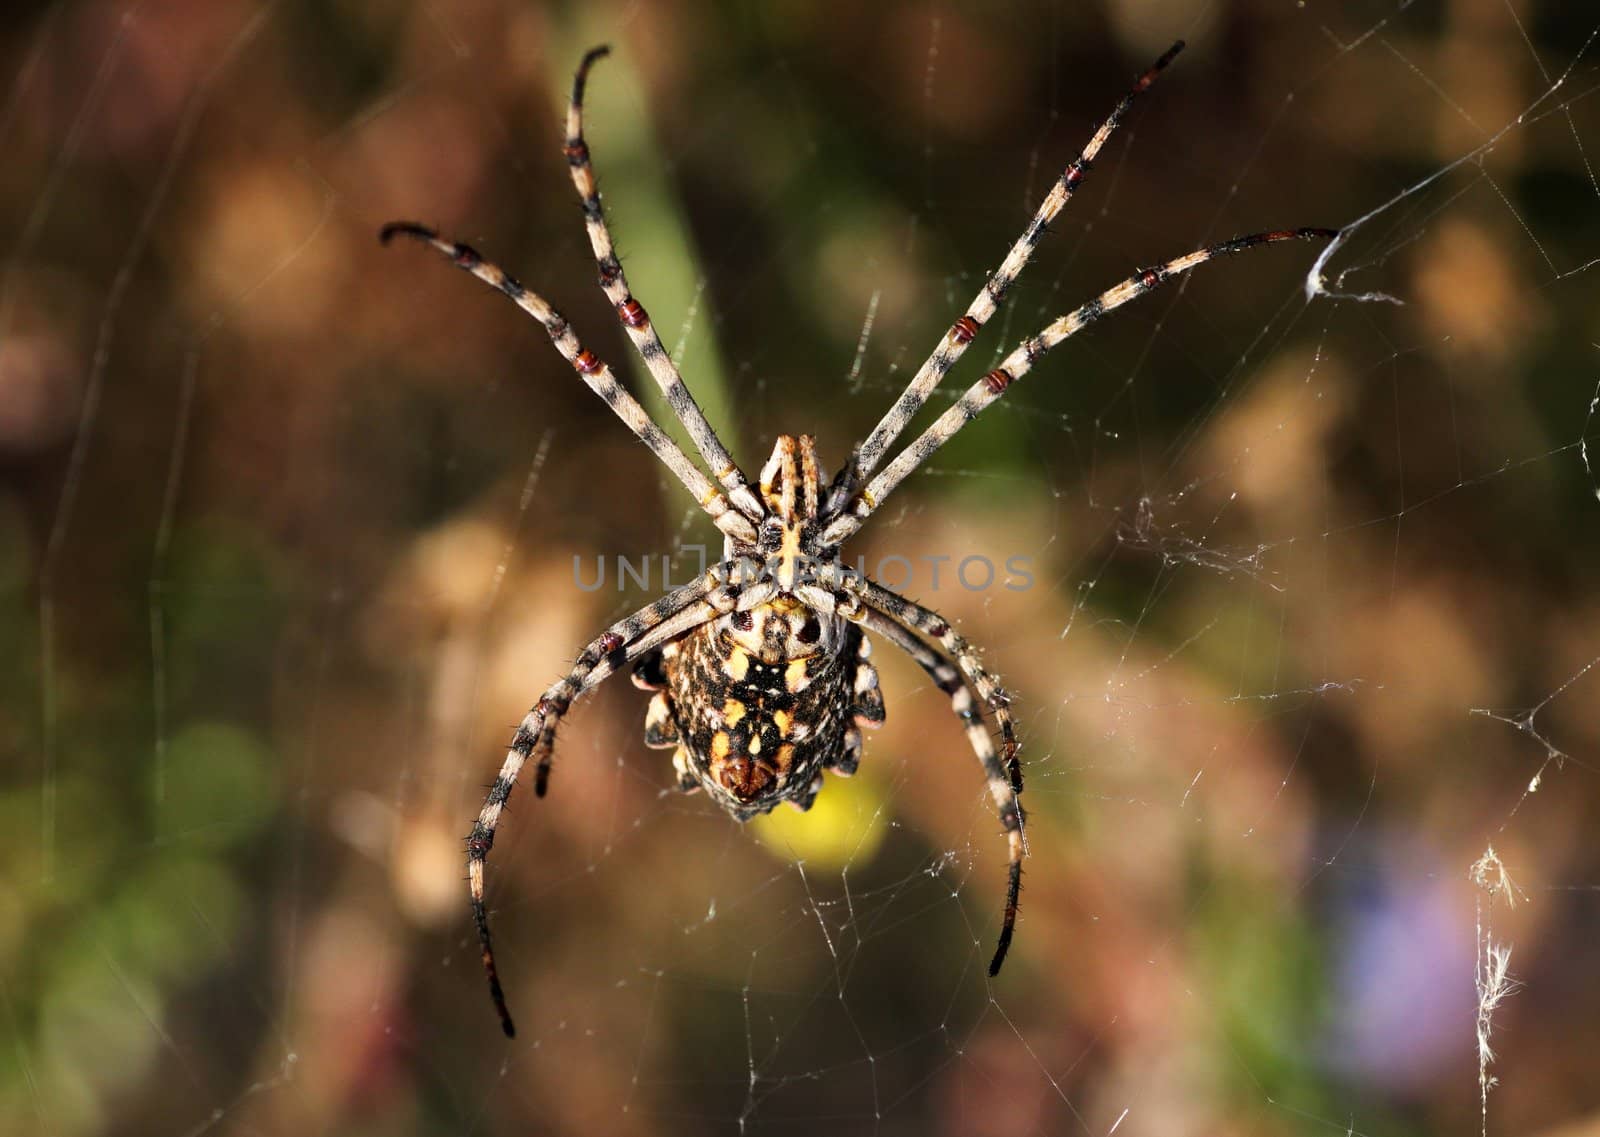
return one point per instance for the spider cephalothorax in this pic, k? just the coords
(760, 669)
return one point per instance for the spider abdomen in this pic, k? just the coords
(756, 713)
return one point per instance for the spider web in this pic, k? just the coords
(1292, 571)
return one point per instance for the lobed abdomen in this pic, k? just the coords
(754, 733)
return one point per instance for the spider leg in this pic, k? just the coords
(594, 371)
(895, 618)
(984, 392)
(632, 314)
(643, 632)
(871, 451)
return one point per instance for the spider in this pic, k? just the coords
(760, 670)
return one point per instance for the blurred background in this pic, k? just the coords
(1298, 619)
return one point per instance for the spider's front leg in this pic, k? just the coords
(865, 457)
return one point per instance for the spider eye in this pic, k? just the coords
(744, 621)
(810, 632)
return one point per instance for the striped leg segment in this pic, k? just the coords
(639, 634)
(988, 389)
(928, 622)
(594, 372)
(985, 304)
(1005, 770)
(1005, 785)
(632, 314)
(589, 672)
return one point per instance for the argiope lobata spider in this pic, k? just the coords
(761, 669)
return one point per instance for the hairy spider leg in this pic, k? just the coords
(632, 314)
(595, 372)
(986, 390)
(1005, 785)
(626, 640)
(865, 460)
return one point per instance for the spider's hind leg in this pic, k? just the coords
(899, 620)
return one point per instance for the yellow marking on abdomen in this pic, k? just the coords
(737, 665)
(794, 676)
(732, 711)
